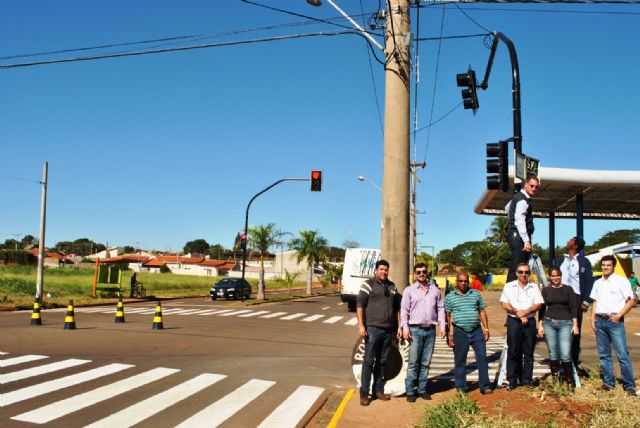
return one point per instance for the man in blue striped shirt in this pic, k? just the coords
(467, 326)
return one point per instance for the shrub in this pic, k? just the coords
(17, 257)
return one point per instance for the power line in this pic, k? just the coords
(471, 19)
(373, 80)
(20, 179)
(175, 49)
(586, 12)
(419, 2)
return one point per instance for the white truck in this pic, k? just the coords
(359, 264)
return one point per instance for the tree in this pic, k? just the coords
(199, 246)
(129, 249)
(215, 251)
(631, 236)
(350, 243)
(81, 247)
(498, 230)
(432, 264)
(309, 245)
(28, 241)
(262, 238)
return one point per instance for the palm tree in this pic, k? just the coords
(309, 245)
(262, 238)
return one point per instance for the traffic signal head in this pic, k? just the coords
(469, 95)
(498, 166)
(316, 181)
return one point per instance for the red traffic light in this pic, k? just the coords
(243, 236)
(316, 181)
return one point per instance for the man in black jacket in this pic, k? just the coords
(378, 311)
(520, 224)
(577, 274)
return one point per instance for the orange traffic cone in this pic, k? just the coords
(157, 318)
(119, 311)
(69, 320)
(35, 316)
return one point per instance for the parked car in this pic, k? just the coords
(236, 288)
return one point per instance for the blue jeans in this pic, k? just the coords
(422, 343)
(609, 332)
(376, 350)
(461, 342)
(557, 334)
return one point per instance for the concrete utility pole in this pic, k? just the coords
(395, 182)
(413, 238)
(43, 221)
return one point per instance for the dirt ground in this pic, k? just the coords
(519, 403)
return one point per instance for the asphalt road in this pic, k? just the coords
(238, 365)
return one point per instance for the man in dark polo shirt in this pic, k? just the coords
(378, 311)
(468, 326)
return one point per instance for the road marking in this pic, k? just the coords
(3, 353)
(341, 303)
(19, 360)
(289, 413)
(332, 320)
(227, 406)
(35, 371)
(241, 311)
(135, 310)
(343, 404)
(57, 384)
(180, 311)
(192, 312)
(61, 408)
(253, 314)
(222, 311)
(273, 315)
(352, 321)
(312, 318)
(294, 316)
(208, 312)
(326, 307)
(157, 403)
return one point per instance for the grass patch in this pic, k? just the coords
(451, 413)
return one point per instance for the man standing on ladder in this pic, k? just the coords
(520, 221)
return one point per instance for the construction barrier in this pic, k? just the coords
(157, 318)
(35, 315)
(120, 311)
(69, 319)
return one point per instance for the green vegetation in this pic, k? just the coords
(18, 257)
(18, 286)
(451, 413)
(311, 246)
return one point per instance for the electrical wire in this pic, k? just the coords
(181, 48)
(441, 118)
(579, 12)
(415, 87)
(373, 80)
(471, 19)
(20, 179)
(431, 39)
(535, 1)
(435, 84)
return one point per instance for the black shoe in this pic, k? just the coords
(364, 399)
(606, 387)
(511, 387)
(411, 398)
(632, 392)
(425, 396)
(486, 391)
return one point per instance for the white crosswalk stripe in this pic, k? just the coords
(332, 320)
(57, 384)
(294, 316)
(152, 405)
(312, 318)
(35, 371)
(289, 413)
(273, 315)
(64, 407)
(19, 360)
(254, 314)
(352, 321)
(227, 406)
(241, 311)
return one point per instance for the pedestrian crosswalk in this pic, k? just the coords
(442, 361)
(65, 400)
(348, 320)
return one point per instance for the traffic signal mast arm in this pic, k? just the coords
(515, 69)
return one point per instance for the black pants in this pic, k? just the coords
(518, 255)
(521, 341)
(575, 344)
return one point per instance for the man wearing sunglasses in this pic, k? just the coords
(520, 221)
(422, 309)
(378, 320)
(521, 300)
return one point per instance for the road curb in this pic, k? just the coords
(343, 404)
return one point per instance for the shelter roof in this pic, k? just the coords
(613, 195)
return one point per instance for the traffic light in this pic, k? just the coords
(316, 181)
(498, 163)
(243, 240)
(469, 95)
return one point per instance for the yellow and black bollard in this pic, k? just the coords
(157, 318)
(120, 311)
(69, 320)
(35, 316)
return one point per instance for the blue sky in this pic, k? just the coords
(157, 150)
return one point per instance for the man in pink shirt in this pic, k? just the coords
(421, 310)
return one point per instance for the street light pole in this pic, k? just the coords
(363, 178)
(43, 222)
